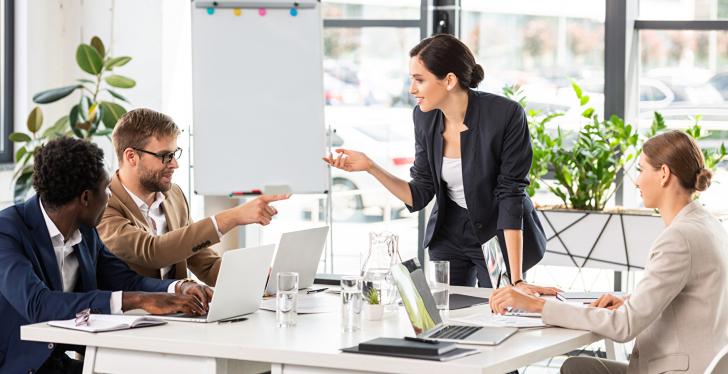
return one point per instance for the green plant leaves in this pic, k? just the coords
(116, 62)
(23, 183)
(58, 129)
(73, 118)
(117, 95)
(19, 137)
(88, 59)
(112, 113)
(120, 81)
(55, 94)
(35, 120)
(98, 46)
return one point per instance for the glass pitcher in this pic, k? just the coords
(383, 253)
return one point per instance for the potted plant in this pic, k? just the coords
(94, 114)
(587, 173)
(373, 308)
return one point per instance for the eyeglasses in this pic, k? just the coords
(166, 157)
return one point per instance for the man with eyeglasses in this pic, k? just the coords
(147, 222)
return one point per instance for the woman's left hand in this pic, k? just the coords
(532, 289)
(507, 298)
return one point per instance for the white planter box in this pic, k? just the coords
(597, 239)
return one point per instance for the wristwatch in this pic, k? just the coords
(178, 286)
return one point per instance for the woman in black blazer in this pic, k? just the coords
(473, 152)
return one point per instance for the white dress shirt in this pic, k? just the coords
(157, 220)
(68, 262)
(452, 174)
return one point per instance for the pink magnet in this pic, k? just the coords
(261, 12)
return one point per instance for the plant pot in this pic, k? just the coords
(618, 240)
(373, 312)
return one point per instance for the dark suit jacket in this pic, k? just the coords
(31, 289)
(496, 157)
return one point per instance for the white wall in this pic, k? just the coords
(156, 34)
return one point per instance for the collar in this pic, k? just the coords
(158, 200)
(54, 232)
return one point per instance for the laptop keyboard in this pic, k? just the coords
(455, 332)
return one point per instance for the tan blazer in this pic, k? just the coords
(129, 236)
(679, 310)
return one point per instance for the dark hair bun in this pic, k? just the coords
(477, 76)
(702, 181)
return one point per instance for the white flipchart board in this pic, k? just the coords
(258, 97)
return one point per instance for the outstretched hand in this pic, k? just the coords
(349, 160)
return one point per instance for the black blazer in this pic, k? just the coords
(496, 157)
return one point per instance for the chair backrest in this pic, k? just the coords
(719, 363)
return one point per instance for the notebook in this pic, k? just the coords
(108, 322)
(394, 347)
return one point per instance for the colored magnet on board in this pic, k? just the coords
(261, 12)
(294, 12)
(237, 11)
(210, 11)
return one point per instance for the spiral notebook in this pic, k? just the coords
(108, 322)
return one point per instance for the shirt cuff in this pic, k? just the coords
(214, 223)
(115, 303)
(172, 287)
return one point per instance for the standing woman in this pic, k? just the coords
(473, 152)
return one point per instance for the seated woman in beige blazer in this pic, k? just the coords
(679, 310)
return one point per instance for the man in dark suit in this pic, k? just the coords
(54, 265)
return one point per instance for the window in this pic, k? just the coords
(689, 68)
(371, 9)
(6, 80)
(543, 48)
(369, 109)
(683, 9)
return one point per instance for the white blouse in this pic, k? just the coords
(452, 174)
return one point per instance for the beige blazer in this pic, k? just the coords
(679, 310)
(129, 236)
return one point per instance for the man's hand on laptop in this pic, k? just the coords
(162, 303)
(200, 291)
(608, 301)
(505, 299)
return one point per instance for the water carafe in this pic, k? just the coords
(383, 253)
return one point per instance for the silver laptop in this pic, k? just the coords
(298, 251)
(239, 287)
(425, 317)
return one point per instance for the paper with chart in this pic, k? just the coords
(493, 320)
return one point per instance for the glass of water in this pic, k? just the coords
(351, 302)
(286, 297)
(438, 278)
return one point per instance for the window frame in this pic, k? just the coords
(7, 81)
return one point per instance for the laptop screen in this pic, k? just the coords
(416, 296)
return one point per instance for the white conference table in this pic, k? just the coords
(312, 346)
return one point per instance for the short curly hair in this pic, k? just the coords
(64, 168)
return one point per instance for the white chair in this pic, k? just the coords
(719, 364)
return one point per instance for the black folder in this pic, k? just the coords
(394, 347)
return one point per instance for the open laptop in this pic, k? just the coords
(239, 285)
(300, 252)
(425, 317)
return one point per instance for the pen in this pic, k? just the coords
(233, 320)
(246, 193)
(420, 340)
(318, 290)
